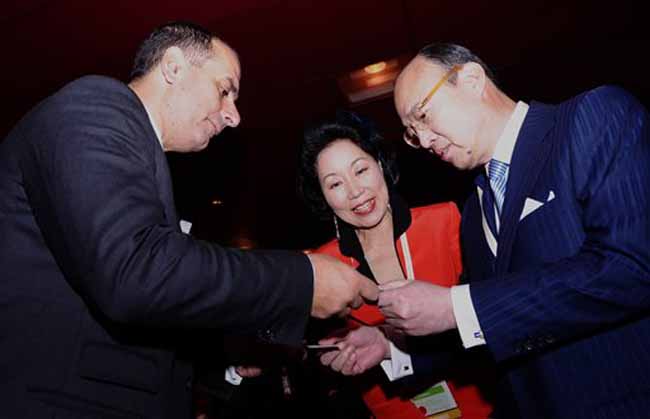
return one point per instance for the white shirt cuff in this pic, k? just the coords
(232, 377)
(466, 319)
(399, 365)
(186, 226)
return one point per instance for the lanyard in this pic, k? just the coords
(408, 262)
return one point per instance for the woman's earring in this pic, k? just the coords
(336, 228)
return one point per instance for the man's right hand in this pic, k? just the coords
(338, 287)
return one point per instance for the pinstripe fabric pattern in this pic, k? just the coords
(566, 303)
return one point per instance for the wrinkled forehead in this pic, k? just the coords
(227, 59)
(413, 84)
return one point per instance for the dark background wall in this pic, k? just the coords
(292, 52)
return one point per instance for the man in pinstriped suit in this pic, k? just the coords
(556, 238)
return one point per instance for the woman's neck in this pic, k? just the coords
(377, 236)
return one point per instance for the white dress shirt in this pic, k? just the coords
(461, 299)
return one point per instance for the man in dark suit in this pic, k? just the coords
(97, 279)
(556, 238)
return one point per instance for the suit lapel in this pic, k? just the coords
(530, 154)
(164, 182)
(162, 175)
(478, 260)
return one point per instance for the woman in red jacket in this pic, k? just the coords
(346, 175)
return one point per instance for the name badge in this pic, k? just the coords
(437, 400)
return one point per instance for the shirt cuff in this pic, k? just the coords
(399, 365)
(232, 377)
(186, 226)
(466, 319)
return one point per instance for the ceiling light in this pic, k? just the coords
(373, 81)
(375, 68)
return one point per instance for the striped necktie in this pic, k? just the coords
(498, 175)
(487, 201)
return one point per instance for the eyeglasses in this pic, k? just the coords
(410, 136)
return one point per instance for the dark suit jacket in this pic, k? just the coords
(564, 306)
(97, 278)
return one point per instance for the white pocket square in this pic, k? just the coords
(532, 204)
(186, 226)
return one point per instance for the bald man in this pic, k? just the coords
(556, 237)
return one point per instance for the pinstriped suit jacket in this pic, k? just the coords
(565, 305)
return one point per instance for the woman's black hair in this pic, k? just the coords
(347, 126)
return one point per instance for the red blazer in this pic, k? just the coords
(433, 241)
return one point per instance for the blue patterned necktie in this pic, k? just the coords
(498, 175)
(487, 201)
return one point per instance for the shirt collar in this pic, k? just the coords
(153, 124)
(508, 139)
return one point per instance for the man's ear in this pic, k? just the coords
(472, 77)
(173, 64)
